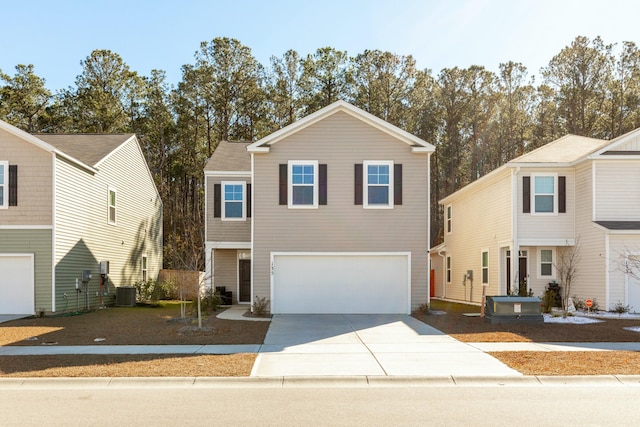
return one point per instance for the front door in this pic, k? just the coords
(521, 288)
(244, 266)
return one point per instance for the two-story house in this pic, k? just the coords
(327, 215)
(71, 204)
(505, 230)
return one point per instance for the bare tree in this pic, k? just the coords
(566, 266)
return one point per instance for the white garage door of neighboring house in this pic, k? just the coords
(357, 283)
(633, 284)
(16, 284)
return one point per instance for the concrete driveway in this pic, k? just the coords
(9, 317)
(359, 344)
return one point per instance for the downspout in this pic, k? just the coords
(515, 247)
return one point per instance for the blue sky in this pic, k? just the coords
(55, 36)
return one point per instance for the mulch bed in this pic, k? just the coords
(475, 329)
(141, 325)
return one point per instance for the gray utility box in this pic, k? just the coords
(126, 296)
(508, 309)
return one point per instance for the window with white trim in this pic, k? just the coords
(449, 218)
(546, 258)
(485, 267)
(112, 205)
(4, 184)
(145, 270)
(543, 196)
(448, 269)
(303, 184)
(233, 201)
(378, 184)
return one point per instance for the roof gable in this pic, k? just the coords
(623, 146)
(417, 144)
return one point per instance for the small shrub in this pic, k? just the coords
(152, 290)
(424, 308)
(210, 301)
(548, 299)
(579, 304)
(260, 306)
(620, 308)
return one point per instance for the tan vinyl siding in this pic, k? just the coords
(83, 235)
(590, 280)
(340, 141)
(37, 242)
(481, 221)
(225, 270)
(541, 227)
(225, 231)
(617, 190)
(34, 182)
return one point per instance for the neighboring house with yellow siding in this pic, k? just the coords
(506, 230)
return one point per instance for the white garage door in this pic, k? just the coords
(633, 283)
(16, 284)
(358, 283)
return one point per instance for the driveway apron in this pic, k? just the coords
(363, 344)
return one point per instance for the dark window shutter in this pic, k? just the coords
(562, 194)
(217, 200)
(13, 185)
(283, 184)
(248, 198)
(397, 184)
(526, 194)
(322, 175)
(357, 180)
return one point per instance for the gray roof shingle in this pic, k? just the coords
(88, 148)
(230, 156)
(620, 225)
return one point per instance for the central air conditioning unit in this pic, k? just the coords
(126, 296)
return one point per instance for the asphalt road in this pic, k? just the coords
(251, 404)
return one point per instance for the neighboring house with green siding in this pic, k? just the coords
(73, 203)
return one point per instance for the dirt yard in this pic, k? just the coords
(163, 325)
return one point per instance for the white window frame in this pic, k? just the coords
(483, 267)
(448, 221)
(290, 183)
(5, 184)
(539, 263)
(145, 267)
(223, 201)
(447, 269)
(114, 206)
(533, 193)
(365, 182)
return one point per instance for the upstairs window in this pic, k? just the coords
(4, 187)
(234, 201)
(112, 205)
(544, 193)
(303, 184)
(378, 179)
(449, 218)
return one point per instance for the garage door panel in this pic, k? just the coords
(340, 284)
(16, 284)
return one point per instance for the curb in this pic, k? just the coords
(316, 382)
